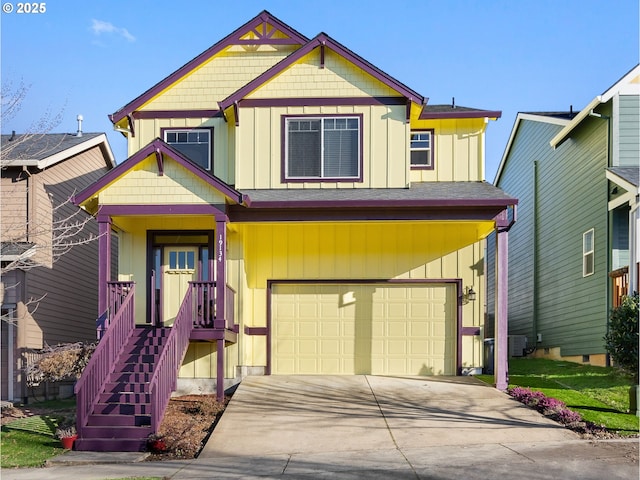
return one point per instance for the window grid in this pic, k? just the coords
(331, 156)
(193, 143)
(588, 253)
(421, 149)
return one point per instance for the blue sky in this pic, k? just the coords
(93, 57)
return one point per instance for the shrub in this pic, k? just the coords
(621, 341)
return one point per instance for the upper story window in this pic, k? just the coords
(422, 149)
(323, 148)
(194, 143)
(588, 249)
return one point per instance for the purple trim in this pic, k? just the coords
(283, 151)
(460, 114)
(367, 281)
(501, 373)
(376, 212)
(220, 370)
(236, 114)
(145, 152)
(321, 40)
(231, 39)
(432, 144)
(322, 56)
(186, 209)
(211, 130)
(470, 331)
(320, 102)
(132, 125)
(104, 261)
(159, 162)
(220, 257)
(154, 114)
(256, 330)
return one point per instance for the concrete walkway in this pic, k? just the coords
(372, 427)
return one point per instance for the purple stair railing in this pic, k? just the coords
(121, 325)
(165, 372)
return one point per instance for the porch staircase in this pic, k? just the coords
(121, 419)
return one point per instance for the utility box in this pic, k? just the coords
(517, 345)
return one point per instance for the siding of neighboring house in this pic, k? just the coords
(531, 144)
(13, 195)
(572, 309)
(67, 313)
(627, 134)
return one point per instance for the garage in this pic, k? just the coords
(364, 328)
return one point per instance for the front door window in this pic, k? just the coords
(179, 269)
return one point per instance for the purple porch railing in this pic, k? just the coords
(95, 374)
(165, 373)
(204, 304)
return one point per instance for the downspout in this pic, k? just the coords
(536, 246)
(609, 290)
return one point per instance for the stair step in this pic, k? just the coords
(125, 387)
(151, 332)
(130, 377)
(135, 358)
(142, 349)
(116, 432)
(122, 408)
(118, 420)
(134, 367)
(111, 444)
(124, 398)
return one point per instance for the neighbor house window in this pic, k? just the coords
(322, 147)
(588, 253)
(422, 149)
(195, 144)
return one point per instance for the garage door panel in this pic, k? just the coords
(381, 329)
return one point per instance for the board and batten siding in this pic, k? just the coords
(572, 200)
(628, 139)
(259, 143)
(420, 250)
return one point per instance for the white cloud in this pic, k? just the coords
(99, 27)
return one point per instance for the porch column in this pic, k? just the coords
(501, 365)
(219, 320)
(504, 221)
(104, 261)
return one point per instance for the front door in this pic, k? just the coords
(180, 264)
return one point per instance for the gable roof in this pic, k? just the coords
(556, 118)
(44, 150)
(256, 26)
(322, 40)
(158, 148)
(628, 84)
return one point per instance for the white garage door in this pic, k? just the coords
(378, 329)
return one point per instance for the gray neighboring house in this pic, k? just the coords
(574, 249)
(53, 302)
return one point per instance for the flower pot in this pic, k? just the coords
(67, 442)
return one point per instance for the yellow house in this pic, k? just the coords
(287, 208)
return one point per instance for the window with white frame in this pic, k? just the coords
(322, 147)
(194, 143)
(422, 149)
(588, 248)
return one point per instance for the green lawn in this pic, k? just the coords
(599, 394)
(30, 441)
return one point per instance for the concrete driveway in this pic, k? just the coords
(313, 414)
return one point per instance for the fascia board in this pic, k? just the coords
(76, 149)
